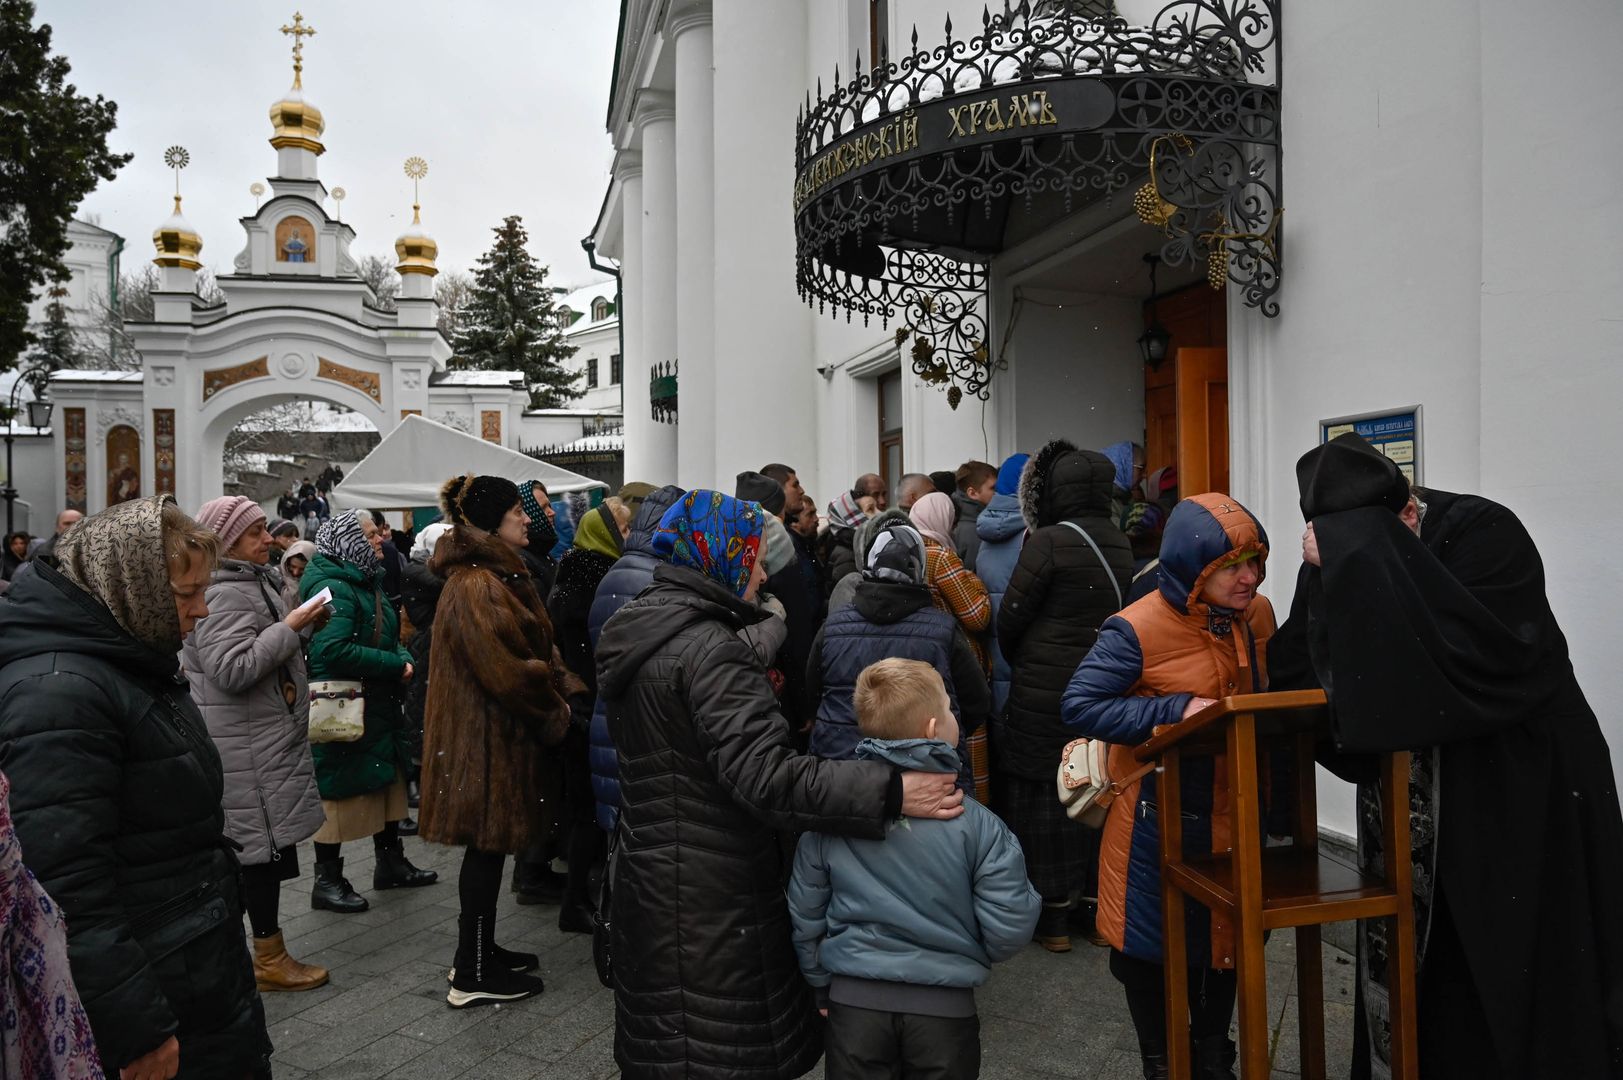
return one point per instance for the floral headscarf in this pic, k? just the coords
(933, 517)
(342, 538)
(715, 534)
(117, 556)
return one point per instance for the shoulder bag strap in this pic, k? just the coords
(1109, 573)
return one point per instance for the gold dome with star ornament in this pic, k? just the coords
(177, 243)
(414, 247)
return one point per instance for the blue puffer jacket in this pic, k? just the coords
(936, 903)
(630, 575)
(1002, 530)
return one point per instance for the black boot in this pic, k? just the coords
(480, 977)
(1154, 1058)
(1215, 1056)
(407, 826)
(394, 870)
(333, 892)
(519, 963)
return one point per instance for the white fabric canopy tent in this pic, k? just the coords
(407, 468)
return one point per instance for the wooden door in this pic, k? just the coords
(1203, 420)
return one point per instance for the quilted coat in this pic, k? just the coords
(116, 796)
(497, 700)
(343, 649)
(1057, 598)
(706, 980)
(1149, 662)
(237, 660)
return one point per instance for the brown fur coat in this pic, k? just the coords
(497, 699)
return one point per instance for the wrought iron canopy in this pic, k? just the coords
(911, 176)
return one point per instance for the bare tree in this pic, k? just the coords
(451, 289)
(379, 273)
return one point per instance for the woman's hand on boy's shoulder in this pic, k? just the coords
(931, 795)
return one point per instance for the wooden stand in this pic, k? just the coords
(1254, 890)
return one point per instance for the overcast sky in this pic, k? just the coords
(505, 99)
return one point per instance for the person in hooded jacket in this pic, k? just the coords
(1002, 529)
(117, 794)
(630, 575)
(891, 615)
(598, 546)
(363, 783)
(706, 982)
(1061, 592)
(294, 561)
(245, 663)
(497, 704)
(1201, 637)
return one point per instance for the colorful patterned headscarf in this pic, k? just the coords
(715, 534)
(844, 513)
(342, 538)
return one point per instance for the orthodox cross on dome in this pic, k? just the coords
(298, 31)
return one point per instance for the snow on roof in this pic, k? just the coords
(76, 375)
(476, 378)
(580, 300)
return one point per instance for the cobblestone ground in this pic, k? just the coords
(384, 1013)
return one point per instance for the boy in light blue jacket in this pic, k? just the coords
(897, 933)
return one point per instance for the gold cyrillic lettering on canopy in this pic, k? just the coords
(896, 137)
(988, 116)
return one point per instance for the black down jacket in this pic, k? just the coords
(115, 790)
(1059, 595)
(706, 983)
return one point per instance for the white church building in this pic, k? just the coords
(936, 252)
(296, 322)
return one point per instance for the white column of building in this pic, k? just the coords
(638, 420)
(696, 246)
(654, 460)
(763, 332)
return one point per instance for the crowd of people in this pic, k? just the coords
(795, 772)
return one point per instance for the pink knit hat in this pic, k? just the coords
(228, 517)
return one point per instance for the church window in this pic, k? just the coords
(591, 373)
(615, 370)
(600, 309)
(295, 241)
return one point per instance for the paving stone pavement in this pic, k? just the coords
(384, 1014)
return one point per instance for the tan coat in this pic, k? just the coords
(497, 700)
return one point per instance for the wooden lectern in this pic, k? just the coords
(1255, 889)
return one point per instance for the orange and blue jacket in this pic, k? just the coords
(1149, 662)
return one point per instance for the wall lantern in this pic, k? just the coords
(1154, 341)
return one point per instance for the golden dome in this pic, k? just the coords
(177, 242)
(297, 123)
(416, 249)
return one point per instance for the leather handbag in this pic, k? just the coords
(1084, 783)
(602, 918)
(338, 706)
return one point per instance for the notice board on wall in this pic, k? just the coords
(1395, 434)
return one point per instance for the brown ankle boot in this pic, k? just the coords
(274, 969)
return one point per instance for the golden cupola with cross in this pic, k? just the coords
(297, 124)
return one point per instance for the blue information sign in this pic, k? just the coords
(1395, 434)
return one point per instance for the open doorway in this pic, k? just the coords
(1186, 405)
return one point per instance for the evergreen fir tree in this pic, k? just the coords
(510, 322)
(56, 346)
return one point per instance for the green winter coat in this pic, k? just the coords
(343, 650)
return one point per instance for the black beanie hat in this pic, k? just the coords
(1347, 473)
(758, 487)
(480, 501)
(945, 482)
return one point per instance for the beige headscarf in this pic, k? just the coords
(117, 557)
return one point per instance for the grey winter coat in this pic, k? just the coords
(237, 661)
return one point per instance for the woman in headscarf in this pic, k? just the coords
(116, 795)
(497, 698)
(705, 977)
(420, 591)
(245, 663)
(598, 544)
(14, 555)
(537, 554)
(363, 783)
(294, 562)
(955, 589)
(844, 515)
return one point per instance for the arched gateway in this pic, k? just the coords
(297, 321)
